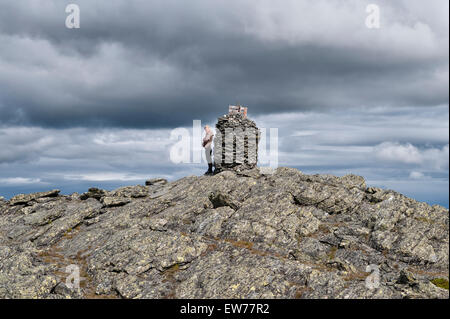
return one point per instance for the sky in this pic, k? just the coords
(96, 105)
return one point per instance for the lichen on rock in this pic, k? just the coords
(237, 234)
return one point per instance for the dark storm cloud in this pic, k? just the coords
(95, 106)
(163, 63)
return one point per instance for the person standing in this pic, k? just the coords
(207, 144)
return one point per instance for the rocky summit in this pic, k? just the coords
(248, 234)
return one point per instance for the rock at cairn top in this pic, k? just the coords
(235, 142)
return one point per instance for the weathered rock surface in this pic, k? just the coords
(231, 235)
(156, 181)
(27, 198)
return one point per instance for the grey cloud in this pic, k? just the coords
(421, 126)
(379, 144)
(161, 64)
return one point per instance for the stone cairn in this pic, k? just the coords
(235, 142)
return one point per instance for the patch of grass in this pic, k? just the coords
(332, 253)
(358, 275)
(366, 237)
(173, 269)
(438, 274)
(210, 248)
(243, 244)
(299, 292)
(70, 233)
(440, 282)
(319, 266)
(324, 228)
(170, 272)
(53, 255)
(186, 221)
(170, 295)
(249, 246)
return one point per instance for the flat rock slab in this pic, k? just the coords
(25, 198)
(156, 181)
(115, 201)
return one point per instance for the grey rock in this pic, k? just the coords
(115, 201)
(406, 278)
(238, 234)
(130, 192)
(156, 181)
(26, 198)
(219, 199)
(93, 192)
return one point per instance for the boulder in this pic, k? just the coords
(156, 181)
(115, 201)
(26, 198)
(93, 192)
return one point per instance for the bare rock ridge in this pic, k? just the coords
(232, 235)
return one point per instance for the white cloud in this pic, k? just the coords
(416, 175)
(305, 133)
(19, 181)
(432, 158)
(22, 144)
(396, 152)
(106, 176)
(407, 30)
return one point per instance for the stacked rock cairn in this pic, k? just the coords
(235, 143)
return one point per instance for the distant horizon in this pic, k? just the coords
(109, 186)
